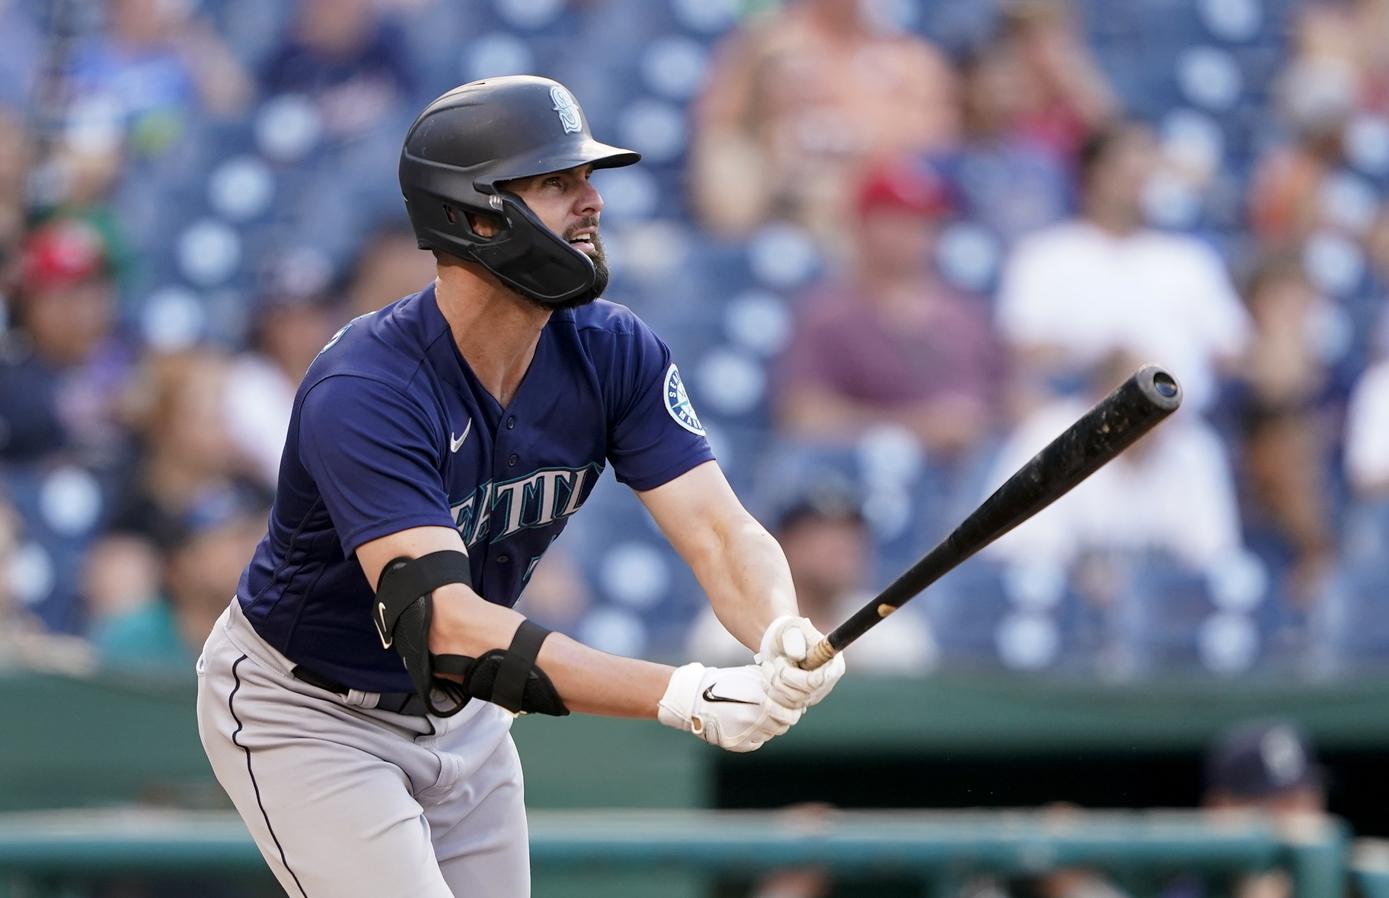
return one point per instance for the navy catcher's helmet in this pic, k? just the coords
(478, 134)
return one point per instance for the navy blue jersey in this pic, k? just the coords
(392, 430)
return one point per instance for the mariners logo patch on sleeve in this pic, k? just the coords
(678, 402)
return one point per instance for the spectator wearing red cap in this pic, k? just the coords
(887, 342)
(61, 367)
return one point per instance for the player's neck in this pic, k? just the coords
(495, 329)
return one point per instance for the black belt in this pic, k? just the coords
(397, 702)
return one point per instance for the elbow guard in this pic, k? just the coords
(507, 677)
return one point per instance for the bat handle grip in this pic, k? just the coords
(819, 654)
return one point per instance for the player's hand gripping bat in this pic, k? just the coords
(1109, 428)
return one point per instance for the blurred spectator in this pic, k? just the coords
(1367, 425)
(129, 623)
(63, 369)
(154, 612)
(1267, 768)
(189, 459)
(348, 60)
(1171, 492)
(829, 549)
(1280, 399)
(1059, 97)
(1285, 196)
(1338, 70)
(1351, 36)
(150, 68)
(1078, 291)
(1031, 96)
(206, 560)
(798, 101)
(890, 342)
(1266, 765)
(388, 266)
(1287, 191)
(15, 152)
(1007, 182)
(288, 331)
(1367, 434)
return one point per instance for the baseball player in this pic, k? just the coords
(356, 698)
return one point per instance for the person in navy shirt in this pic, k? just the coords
(355, 699)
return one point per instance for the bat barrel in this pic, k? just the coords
(1115, 423)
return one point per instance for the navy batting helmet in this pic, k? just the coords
(479, 134)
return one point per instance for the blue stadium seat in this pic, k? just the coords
(1352, 619)
(616, 542)
(990, 615)
(966, 610)
(1365, 538)
(60, 507)
(1173, 618)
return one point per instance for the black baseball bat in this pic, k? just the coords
(1134, 408)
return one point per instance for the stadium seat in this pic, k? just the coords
(991, 615)
(60, 507)
(1352, 620)
(1177, 619)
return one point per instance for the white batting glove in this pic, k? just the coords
(725, 706)
(785, 645)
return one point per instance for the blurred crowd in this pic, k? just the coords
(896, 246)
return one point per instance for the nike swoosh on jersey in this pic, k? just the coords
(709, 696)
(456, 443)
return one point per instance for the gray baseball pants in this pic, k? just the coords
(346, 801)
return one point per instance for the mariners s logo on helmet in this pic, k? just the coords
(568, 109)
(678, 403)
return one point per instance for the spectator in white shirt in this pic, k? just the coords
(1075, 292)
(1367, 418)
(289, 330)
(1367, 434)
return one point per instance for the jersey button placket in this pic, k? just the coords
(511, 422)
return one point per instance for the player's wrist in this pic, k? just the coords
(676, 707)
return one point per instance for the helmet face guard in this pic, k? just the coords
(480, 134)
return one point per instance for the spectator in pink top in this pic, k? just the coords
(889, 342)
(799, 100)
